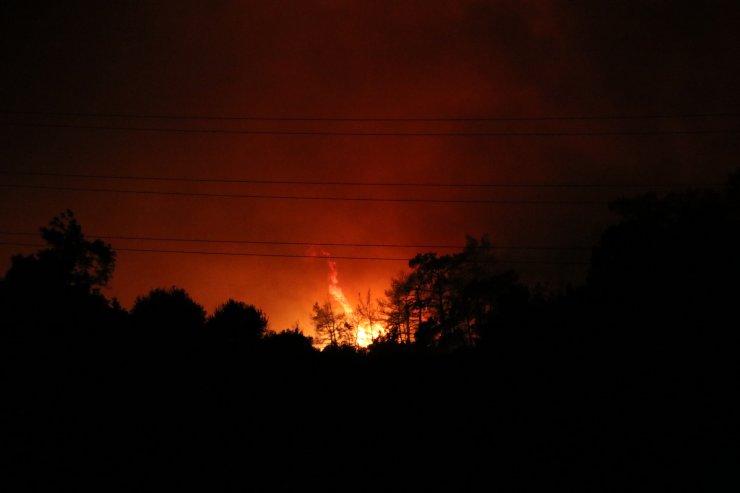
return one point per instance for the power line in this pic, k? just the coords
(280, 255)
(323, 257)
(343, 183)
(303, 243)
(273, 255)
(155, 116)
(234, 254)
(307, 197)
(317, 133)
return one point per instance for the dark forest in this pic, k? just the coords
(480, 381)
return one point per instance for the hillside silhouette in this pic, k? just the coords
(479, 381)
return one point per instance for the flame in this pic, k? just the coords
(365, 332)
(335, 290)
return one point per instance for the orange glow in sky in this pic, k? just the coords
(304, 69)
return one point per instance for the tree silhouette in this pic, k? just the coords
(368, 316)
(332, 328)
(289, 342)
(667, 272)
(168, 315)
(69, 261)
(57, 290)
(448, 301)
(237, 322)
(396, 308)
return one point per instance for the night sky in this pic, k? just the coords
(332, 59)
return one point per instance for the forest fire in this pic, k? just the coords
(365, 327)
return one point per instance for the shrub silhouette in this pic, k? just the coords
(237, 322)
(289, 342)
(168, 314)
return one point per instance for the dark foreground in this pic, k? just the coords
(112, 417)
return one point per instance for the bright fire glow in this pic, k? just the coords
(365, 332)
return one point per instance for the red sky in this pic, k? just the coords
(354, 59)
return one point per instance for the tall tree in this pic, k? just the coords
(368, 318)
(332, 328)
(58, 289)
(447, 300)
(397, 308)
(69, 260)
